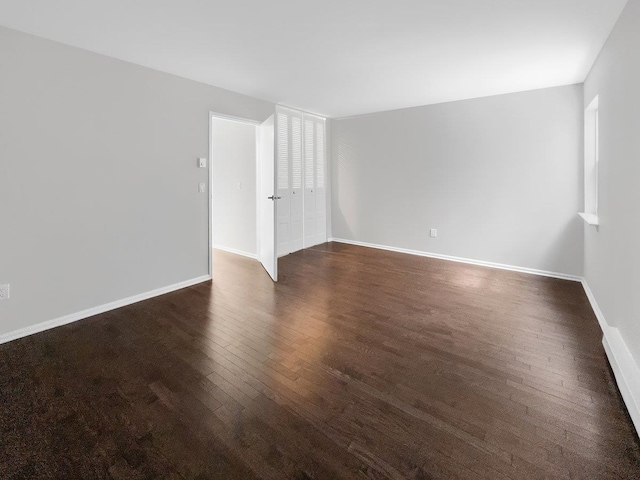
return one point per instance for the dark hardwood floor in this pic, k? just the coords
(358, 364)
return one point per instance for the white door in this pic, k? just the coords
(309, 184)
(321, 188)
(297, 192)
(290, 187)
(315, 188)
(267, 198)
(283, 153)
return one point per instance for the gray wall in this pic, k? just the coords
(234, 209)
(98, 177)
(499, 177)
(612, 253)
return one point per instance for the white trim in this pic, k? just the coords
(210, 202)
(236, 252)
(625, 369)
(594, 306)
(591, 159)
(296, 109)
(329, 179)
(590, 218)
(512, 268)
(257, 186)
(74, 317)
(275, 193)
(222, 116)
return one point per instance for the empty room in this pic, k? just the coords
(339, 240)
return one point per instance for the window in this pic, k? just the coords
(591, 161)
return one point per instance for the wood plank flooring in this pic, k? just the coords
(359, 364)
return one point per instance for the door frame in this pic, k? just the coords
(219, 116)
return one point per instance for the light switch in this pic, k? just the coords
(202, 187)
(202, 163)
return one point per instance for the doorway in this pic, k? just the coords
(233, 166)
(239, 151)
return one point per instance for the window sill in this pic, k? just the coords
(590, 218)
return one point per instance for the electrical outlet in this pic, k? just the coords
(433, 233)
(202, 163)
(202, 187)
(4, 292)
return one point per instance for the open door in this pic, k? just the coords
(267, 198)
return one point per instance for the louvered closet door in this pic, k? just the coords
(309, 182)
(301, 153)
(297, 191)
(315, 192)
(321, 188)
(283, 132)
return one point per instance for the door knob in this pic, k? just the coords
(273, 197)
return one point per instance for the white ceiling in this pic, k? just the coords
(338, 57)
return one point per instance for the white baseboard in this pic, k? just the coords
(622, 363)
(74, 317)
(236, 252)
(513, 268)
(595, 307)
